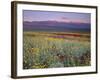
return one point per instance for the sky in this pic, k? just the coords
(31, 15)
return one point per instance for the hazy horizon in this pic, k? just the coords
(29, 15)
(56, 21)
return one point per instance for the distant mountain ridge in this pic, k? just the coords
(56, 26)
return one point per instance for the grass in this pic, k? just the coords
(52, 50)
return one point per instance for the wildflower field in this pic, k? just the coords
(55, 50)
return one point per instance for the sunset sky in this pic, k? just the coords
(29, 15)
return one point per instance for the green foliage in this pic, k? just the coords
(45, 52)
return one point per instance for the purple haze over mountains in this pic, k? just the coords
(56, 26)
(56, 21)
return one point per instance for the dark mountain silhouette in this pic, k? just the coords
(56, 26)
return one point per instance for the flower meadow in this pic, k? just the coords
(55, 50)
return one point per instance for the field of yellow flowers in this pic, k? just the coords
(52, 50)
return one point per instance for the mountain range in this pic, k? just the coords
(56, 26)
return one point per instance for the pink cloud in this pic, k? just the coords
(67, 20)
